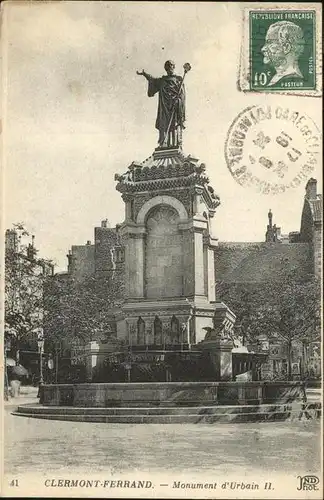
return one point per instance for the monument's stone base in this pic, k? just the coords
(174, 402)
(148, 394)
(174, 415)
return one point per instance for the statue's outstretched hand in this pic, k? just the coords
(140, 72)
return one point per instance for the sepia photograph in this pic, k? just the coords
(161, 249)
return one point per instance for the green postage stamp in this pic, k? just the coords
(281, 51)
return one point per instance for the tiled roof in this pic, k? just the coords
(260, 262)
(163, 164)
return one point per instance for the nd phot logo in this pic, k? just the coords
(308, 483)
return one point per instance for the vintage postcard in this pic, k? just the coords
(161, 260)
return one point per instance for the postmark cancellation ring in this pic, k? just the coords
(272, 148)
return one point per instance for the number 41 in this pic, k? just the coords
(14, 482)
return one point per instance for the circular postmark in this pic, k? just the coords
(272, 148)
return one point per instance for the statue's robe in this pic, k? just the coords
(168, 88)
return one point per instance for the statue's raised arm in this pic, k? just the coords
(146, 75)
(142, 73)
(171, 108)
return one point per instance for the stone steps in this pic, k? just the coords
(157, 410)
(314, 394)
(224, 414)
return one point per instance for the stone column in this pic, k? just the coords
(132, 332)
(188, 260)
(206, 275)
(184, 329)
(199, 263)
(166, 331)
(193, 256)
(149, 330)
(134, 260)
(211, 274)
(128, 207)
(198, 205)
(210, 244)
(199, 226)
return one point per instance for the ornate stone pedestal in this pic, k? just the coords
(96, 353)
(220, 354)
(219, 342)
(169, 250)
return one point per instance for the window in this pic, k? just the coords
(119, 255)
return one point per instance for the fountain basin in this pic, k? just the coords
(150, 394)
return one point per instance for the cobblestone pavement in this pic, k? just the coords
(33, 445)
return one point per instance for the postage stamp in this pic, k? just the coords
(281, 52)
(272, 149)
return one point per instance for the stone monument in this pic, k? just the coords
(169, 245)
(169, 315)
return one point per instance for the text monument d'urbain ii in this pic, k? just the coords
(169, 248)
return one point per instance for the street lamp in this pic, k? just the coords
(40, 343)
(7, 346)
(128, 368)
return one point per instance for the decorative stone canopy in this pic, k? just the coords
(167, 169)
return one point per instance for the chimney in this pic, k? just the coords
(104, 223)
(31, 249)
(70, 260)
(311, 189)
(11, 240)
(88, 242)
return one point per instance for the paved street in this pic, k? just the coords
(34, 445)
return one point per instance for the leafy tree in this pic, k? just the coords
(292, 313)
(24, 282)
(286, 310)
(80, 311)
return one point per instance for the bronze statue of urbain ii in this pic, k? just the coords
(171, 116)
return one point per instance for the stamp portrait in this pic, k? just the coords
(282, 50)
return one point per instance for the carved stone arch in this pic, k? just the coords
(163, 253)
(161, 200)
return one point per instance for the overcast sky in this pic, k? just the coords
(75, 113)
